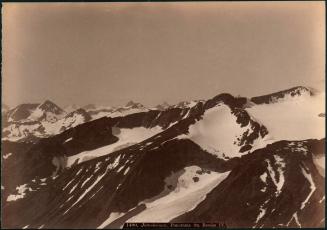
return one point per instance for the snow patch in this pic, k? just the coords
(277, 176)
(36, 114)
(261, 214)
(73, 189)
(79, 171)
(63, 124)
(126, 171)
(296, 218)
(97, 166)
(87, 179)
(6, 156)
(19, 131)
(322, 199)
(127, 137)
(312, 186)
(69, 139)
(262, 211)
(263, 177)
(112, 217)
(20, 193)
(120, 168)
(68, 184)
(120, 112)
(187, 194)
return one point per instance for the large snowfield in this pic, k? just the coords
(293, 118)
(217, 132)
(127, 137)
(290, 118)
(187, 195)
(184, 190)
(115, 113)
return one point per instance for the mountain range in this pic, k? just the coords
(246, 162)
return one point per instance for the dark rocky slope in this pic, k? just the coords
(284, 200)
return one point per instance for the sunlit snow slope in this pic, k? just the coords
(292, 118)
(126, 137)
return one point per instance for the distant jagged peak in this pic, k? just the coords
(294, 92)
(47, 111)
(28, 106)
(226, 99)
(184, 104)
(299, 90)
(134, 105)
(80, 111)
(21, 112)
(49, 106)
(163, 106)
(187, 104)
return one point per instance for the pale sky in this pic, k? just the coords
(110, 53)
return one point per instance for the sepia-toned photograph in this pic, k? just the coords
(163, 114)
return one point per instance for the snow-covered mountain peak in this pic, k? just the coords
(226, 132)
(78, 111)
(187, 104)
(21, 112)
(47, 111)
(163, 106)
(134, 105)
(288, 94)
(49, 106)
(294, 115)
